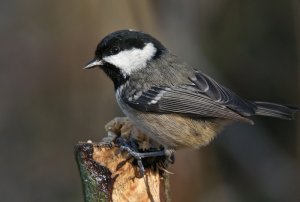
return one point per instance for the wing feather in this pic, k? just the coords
(187, 100)
(223, 95)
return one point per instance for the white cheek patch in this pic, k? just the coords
(131, 60)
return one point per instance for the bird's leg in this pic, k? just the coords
(132, 149)
(139, 146)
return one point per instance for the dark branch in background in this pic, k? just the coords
(107, 174)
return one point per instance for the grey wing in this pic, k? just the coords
(223, 95)
(187, 100)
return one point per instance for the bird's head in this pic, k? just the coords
(123, 52)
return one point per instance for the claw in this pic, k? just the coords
(141, 167)
(137, 156)
(131, 148)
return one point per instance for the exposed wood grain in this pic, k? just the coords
(108, 174)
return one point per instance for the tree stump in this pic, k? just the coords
(108, 174)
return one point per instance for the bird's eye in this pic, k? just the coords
(115, 49)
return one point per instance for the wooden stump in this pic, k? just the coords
(108, 174)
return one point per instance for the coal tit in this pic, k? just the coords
(174, 104)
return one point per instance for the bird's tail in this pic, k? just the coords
(275, 110)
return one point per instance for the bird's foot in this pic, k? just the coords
(132, 149)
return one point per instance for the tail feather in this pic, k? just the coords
(275, 110)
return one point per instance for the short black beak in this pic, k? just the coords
(94, 63)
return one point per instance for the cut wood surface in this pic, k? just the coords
(108, 174)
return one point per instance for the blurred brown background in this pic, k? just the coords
(48, 102)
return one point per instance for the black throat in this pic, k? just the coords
(115, 75)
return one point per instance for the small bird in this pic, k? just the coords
(174, 104)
